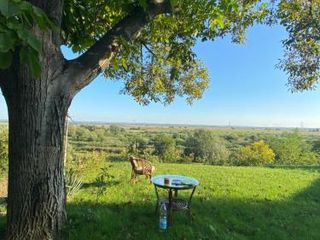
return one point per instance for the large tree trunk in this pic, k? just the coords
(36, 193)
(37, 111)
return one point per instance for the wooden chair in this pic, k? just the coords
(140, 167)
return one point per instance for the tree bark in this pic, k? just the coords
(36, 195)
(37, 111)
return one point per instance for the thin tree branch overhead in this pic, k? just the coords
(97, 58)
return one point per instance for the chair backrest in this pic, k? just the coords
(134, 162)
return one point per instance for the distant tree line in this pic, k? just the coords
(92, 143)
(221, 147)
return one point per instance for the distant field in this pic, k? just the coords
(118, 141)
(230, 203)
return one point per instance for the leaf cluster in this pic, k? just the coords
(257, 153)
(301, 61)
(17, 20)
(206, 147)
(293, 149)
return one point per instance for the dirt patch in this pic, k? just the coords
(3, 188)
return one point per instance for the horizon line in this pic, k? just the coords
(94, 122)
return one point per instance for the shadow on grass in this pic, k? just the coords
(215, 218)
(2, 226)
(117, 158)
(95, 184)
(310, 168)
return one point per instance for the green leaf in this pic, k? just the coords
(143, 4)
(25, 6)
(30, 57)
(4, 7)
(41, 18)
(8, 8)
(30, 39)
(220, 21)
(5, 60)
(34, 42)
(173, 3)
(7, 41)
(124, 64)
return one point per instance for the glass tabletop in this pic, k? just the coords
(174, 181)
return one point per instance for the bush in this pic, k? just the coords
(257, 153)
(205, 147)
(116, 130)
(292, 149)
(165, 148)
(137, 145)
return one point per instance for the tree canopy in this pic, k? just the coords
(159, 62)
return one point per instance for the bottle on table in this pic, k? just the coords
(163, 224)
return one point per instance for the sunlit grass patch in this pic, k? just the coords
(230, 203)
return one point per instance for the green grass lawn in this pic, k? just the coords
(230, 203)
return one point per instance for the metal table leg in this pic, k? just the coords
(189, 204)
(170, 208)
(158, 199)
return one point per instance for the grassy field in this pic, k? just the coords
(230, 203)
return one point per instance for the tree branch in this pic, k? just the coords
(85, 68)
(149, 50)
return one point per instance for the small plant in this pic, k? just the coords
(73, 182)
(103, 180)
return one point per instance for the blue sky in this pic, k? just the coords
(245, 90)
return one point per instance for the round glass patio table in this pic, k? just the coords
(173, 184)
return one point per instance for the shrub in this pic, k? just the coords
(116, 130)
(205, 147)
(292, 149)
(137, 145)
(165, 148)
(257, 153)
(102, 181)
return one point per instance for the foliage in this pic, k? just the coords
(257, 153)
(291, 148)
(302, 47)
(102, 181)
(3, 150)
(165, 148)
(17, 18)
(114, 129)
(161, 63)
(137, 145)
(189, 144)
(206, 147)
(82, 160)
(73, 182)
